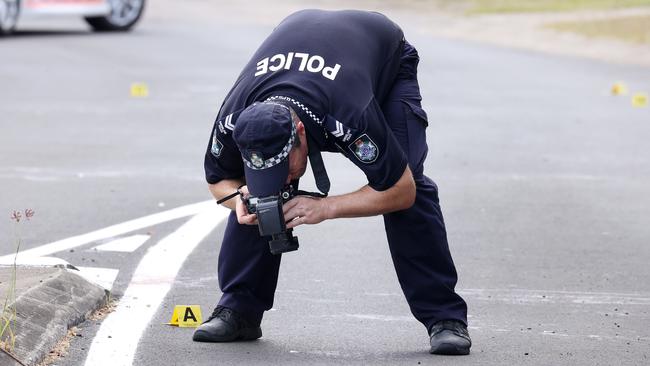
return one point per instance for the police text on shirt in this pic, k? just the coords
(313, 63)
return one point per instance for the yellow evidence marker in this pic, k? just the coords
(619, 89)
(139, 90)
(640, 100)
(186, 316)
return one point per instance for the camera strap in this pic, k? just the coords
(318, 168)
(300, 192)
(232, 195)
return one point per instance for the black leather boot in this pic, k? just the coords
(450, 337)
(226, 325)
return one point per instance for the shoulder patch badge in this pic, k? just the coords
(364, 149)
(217, 146)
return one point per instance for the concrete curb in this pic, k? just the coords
(49, 301)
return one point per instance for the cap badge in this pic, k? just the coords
(257, 160)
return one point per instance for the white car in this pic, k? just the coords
(102, 15)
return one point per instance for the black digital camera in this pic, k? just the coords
(270, 219)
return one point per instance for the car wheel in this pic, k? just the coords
(124, 14)
(9, 10)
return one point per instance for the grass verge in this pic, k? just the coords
(634, 29)
(522, 6)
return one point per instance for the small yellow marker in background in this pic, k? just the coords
(186, 316)
(640, 100)
(619, 89)
(139, 90)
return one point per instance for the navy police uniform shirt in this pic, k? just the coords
(334, 68)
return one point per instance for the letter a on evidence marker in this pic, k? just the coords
(186, 316)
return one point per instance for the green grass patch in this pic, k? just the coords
(634, 29)
(522, 6)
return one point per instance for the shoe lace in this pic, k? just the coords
(229, 316)
(222, 313)
(454, 326)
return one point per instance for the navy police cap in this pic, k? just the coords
(264, 134)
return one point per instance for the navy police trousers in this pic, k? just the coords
(417, 237)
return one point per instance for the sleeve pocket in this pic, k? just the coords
(417, 111)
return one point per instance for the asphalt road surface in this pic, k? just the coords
(544, 180)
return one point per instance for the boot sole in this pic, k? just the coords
(247, 334)
(449, 349)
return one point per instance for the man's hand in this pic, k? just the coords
(226, 187)
(364, 202)
(305, 210)
(308, 210)
(243, 217)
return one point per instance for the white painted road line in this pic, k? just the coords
(111, 231)
(128, 244)
(104, 277)
(118, 336)
(33, 261)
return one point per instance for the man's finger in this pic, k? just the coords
(289, 205)
(248, 219)
(295, 222)
(291, 214)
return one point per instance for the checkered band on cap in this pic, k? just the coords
(271, 162)
(296, 103)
